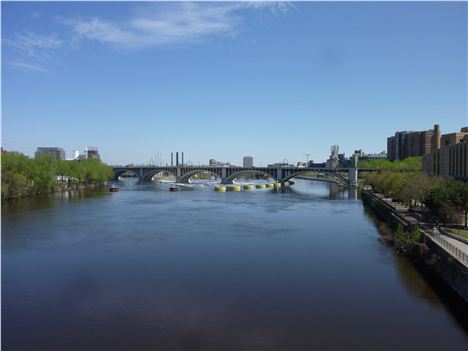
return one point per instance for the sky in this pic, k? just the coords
(222, 80)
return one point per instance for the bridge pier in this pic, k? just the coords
(279, 174)
(353, 172)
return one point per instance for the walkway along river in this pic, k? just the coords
(146, 268)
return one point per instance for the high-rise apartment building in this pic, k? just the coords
(247, 161)
(408, 143)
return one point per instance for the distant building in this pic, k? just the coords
(216, 163)
(313, 164)
(279, 165)
(449, 157)
(342, 159)
(92, 152)
(362, 156)
(359, 153)
(57, 152)
(334, 159)
(76, 156)
(301, 164)
(334, 149)
(247, 161)
(408, 143)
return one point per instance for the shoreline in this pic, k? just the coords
(60, 189)
(434, 253)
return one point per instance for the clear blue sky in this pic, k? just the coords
(223, 80)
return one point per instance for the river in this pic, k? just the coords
(147, 269)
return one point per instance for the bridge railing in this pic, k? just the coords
(448, 246)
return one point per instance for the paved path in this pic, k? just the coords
(457, 243)
(455, 248)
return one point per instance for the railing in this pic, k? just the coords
(439, 238)
(449, 247)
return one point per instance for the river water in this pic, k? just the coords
(148, 269)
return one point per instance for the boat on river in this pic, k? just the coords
(174, 188)
(113, 188)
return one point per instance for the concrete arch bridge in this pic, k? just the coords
(229, 174)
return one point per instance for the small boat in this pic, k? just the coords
(174, 188)
(113, 188)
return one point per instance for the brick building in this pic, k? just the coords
(449, 157)
(408, 143)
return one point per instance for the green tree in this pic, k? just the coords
(459, 197)
(22, 176)
(413, 163)
(416, 188)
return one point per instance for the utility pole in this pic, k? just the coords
(307, 155)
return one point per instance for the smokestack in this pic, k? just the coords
(436, 137)
(172, 159)
(177, 158)
(182, 158)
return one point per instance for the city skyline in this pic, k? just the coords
(274, 81)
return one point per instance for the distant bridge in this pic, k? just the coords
(229, 174)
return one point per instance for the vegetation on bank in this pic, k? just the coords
(405, 241)
(24, 176)
(408, 164)
(445, 198)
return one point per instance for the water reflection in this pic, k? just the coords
(421, 283)
(41, 202)
(145, 268)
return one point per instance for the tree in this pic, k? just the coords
(413, 163)
(459, 197)
(415, 188)
(63, 169)
(23, 176)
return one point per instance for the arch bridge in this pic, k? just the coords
(229, 174)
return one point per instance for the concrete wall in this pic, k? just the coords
(437, 260)
(429, 256)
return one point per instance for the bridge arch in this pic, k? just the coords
(338, 180)
(185, 178)
(150, 174)
(230, 179)
(121, 171)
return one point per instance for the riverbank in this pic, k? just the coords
(435, 252)
(23, 176)
(60, 188)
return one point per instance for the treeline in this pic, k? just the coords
(413, 163)
(24, 176)
(445, 198)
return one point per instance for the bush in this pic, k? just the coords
(407, 240)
